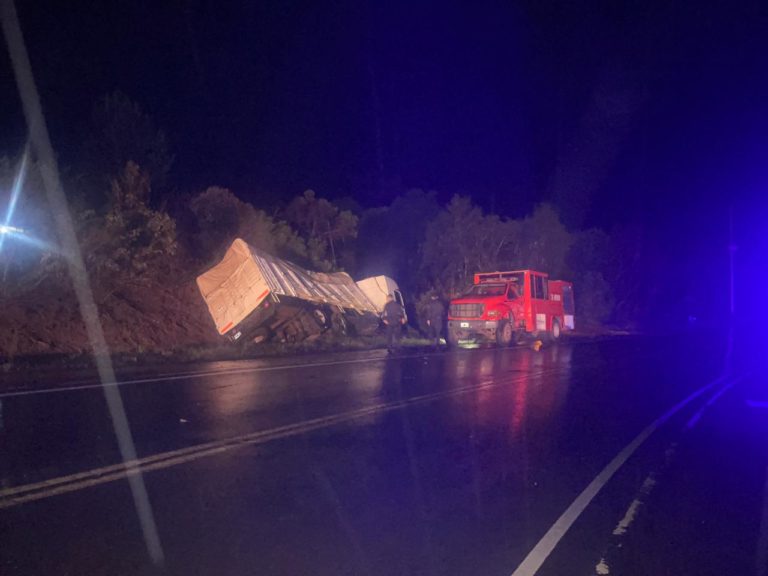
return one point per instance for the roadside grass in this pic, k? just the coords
(224, 351)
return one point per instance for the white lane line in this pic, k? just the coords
(228, 372)
(634, 508)
(35, 491)
(536, 557)
(204, 374)
(715, 397)
(602, 568)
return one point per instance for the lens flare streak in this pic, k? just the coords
(18, 184)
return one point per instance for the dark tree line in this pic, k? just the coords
(134, 227)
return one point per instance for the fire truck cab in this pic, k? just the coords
(503, 306)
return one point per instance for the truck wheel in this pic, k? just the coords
(261, 335)
(451, 338)
(555, 329)
(321, 318)
(504, 333)
(339, 323)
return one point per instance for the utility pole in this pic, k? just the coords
(732, 318)
(731, 252)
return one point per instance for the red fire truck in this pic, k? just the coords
(502, 306)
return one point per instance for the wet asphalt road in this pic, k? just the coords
(449, 463)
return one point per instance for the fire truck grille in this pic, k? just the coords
(467, 310)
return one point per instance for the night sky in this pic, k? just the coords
(636, 110)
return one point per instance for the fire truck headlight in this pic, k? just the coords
(493, 314)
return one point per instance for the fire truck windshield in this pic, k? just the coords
(487, 290)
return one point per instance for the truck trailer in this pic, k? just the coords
(254, 296)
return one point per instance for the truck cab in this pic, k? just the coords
(502, 306)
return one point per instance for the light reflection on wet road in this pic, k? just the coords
(454, 463)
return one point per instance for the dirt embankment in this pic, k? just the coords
(150, 317)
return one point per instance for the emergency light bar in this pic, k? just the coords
(490, 276)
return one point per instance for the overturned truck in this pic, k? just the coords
(254, 296)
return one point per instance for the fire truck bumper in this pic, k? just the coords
(472, 329)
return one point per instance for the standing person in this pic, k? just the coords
(435, 316)
(394, 318)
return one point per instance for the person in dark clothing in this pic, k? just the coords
(394, 318)
(435, 318)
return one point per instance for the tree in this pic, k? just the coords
(132, 241)
(122, 132)
(637, 279)
(324, 227)
(543, 242)
(592, 261)
(460, 241)
(390, 236)
(586, 157)
(221, 217)
(463, 240)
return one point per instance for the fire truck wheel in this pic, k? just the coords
(555, 329)
(451, 339)
(504, 333)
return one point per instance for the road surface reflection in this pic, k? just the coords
(527, 386)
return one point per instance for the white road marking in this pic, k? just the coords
(629, 517)
(204, 374)
(602, 567)
(36, 491)
(536, 557)
(696, 417)
(633, 509)
(651, 480)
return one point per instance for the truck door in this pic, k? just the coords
(399, 299)
(568, 306)
(539, 302)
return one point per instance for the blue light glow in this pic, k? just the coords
(5, 229)
(18, 184)
(20, 236)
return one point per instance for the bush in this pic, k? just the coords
(220, 217)
(131, 239)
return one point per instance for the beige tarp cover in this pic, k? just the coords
(377, 288)
(245, 276)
